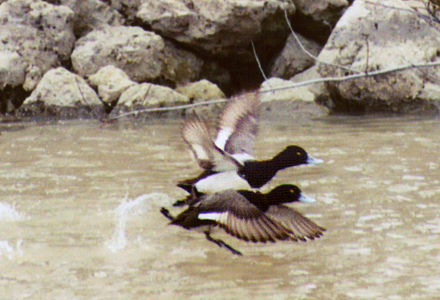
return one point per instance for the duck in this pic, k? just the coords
(227, 161)
(250, 216)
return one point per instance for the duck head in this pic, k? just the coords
(287, 193)
(294, 156)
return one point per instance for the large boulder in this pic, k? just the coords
(147, 95)
(36, 35)
(111, 82)
(368, 38)
(62, 94)
(315, 19)
(292, 59)
(143, 55)
(91, 14)
(220, 28)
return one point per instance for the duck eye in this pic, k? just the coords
(292, 191)
(298, 153)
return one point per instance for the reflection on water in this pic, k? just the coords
(79, 214)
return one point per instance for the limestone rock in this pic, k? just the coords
(396, 36)
(143, 55)
(111, 82)
(221, 28)
(12, 69)
(61, 91)
(284, 91)
(201, 91)
(40, 33)
(324, 11)
(292, 59)
(91, 14)
(147, 95)
(319, 90)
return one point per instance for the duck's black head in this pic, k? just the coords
(286, 193)
(294, 156)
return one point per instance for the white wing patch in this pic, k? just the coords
(213, 216)
(223, 136)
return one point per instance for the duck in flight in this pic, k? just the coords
(228, 162)
(250, 216)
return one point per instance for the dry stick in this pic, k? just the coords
(316, 59)
(291, 86)
(258, 61)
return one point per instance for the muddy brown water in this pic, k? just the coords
(79, 214)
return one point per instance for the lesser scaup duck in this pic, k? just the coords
(250, 216)
(228, 161)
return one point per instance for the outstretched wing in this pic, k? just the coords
(238, 126)
(196, 134)
(240, 218)
(301, 226)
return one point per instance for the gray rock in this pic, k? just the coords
(63, 94)
(395, 37)
(292, 59)
(323, 11)
(283, 90)
(202, 91)
(143, 55)
(147, 95)
(40, 33)
(111, 82)
(218, 27)
(12, 69)
(91, 14)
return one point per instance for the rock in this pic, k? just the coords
(324, 11)
(319, 90)
(220, 28)
(40, 33)
(91, 14)
(292, 59)
(143, 55)
(147, 95)
(316, 19)
(202, 91)
(111, 82)
(297, 103)
(62, 94)
(365, 38)
(284, 91)
(12, 69)
(180, 66)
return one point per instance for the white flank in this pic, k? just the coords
(214, 216)
(222, 137)
(222, 181)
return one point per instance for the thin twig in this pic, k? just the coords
(258, 61)
(315, 58)
(169, 108)
(290, 86)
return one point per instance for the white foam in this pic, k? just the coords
(9, 251)
(9, 213)
(142, 203)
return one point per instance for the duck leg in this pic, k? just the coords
(220, 243)
(166, 213)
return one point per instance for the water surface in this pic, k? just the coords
(79, 214)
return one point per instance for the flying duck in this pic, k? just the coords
(228, 162)
(250, 216)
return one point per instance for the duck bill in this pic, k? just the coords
(306, 199)
(314, 161)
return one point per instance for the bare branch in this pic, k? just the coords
(316, 59)
(258, 60)
(290, 86)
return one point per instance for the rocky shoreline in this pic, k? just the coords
(96, 58)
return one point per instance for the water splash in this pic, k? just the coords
(142, 203)
(9, 251)
(9, 213)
